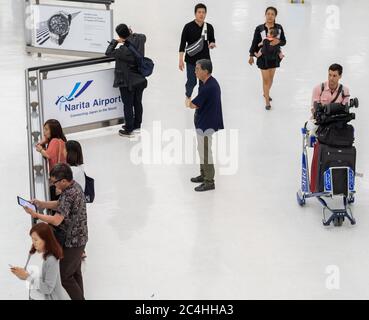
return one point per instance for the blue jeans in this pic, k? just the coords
(191, 79)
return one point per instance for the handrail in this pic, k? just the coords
(72, 64)
(36, 76)
(29, 138)
(42, 121)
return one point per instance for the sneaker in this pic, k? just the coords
(125, 133)
(199, 179)
(205, 187)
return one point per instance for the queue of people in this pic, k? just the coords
(62, 234)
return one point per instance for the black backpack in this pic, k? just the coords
(145, 65)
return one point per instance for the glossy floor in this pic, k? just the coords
(151, 235)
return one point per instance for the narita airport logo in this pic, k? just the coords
(68, 103)
(74, 94)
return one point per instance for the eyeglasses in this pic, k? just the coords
(55, 182)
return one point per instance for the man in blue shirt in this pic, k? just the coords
(208, 120)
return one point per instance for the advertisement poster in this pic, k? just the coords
(82, 99)
(71, 28)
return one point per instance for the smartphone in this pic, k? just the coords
(25, 203)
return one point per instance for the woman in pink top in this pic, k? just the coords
(53, 145)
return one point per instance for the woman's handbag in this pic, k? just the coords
(89, 189)
(195, 48)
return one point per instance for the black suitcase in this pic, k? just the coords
(336, 157)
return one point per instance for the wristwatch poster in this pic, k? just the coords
(71, 28)
(56, 28)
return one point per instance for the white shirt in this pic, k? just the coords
(79, 176)
(34, 268)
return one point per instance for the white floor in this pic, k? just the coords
(151, 235)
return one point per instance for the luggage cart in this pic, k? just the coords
(337, 216)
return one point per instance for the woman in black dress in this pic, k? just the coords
(267, 66)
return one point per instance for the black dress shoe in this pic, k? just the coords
(205, 187)
(199, 179)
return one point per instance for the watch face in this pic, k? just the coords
(58, 24)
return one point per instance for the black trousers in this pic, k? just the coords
(133, 109)
(70, 272)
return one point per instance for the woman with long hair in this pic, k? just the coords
(53, 144)
(267, 67)
(46, 286)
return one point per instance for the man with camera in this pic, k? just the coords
(329, 131)
(331, 91)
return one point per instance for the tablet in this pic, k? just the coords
(24, 203)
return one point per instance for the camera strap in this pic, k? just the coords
(340, 91)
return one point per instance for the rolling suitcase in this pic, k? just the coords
(335, 157)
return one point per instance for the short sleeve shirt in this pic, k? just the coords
(209, 114)
(72, 206)
(326, 96)
(55, 151)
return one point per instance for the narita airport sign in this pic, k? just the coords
(82, 99)
(95, 103)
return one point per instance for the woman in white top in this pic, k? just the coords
(46, 286)
(74, 156)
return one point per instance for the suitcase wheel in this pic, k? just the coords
(338, 221)
(300, 201)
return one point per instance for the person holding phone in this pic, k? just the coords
(47, 286)
(52, 145)
(70, 226)
(128, 79)
(52, 148)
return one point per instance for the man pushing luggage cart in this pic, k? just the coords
(334, 161)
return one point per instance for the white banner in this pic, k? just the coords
(71, 28)
(82, 99)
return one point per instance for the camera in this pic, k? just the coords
(335, 112)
